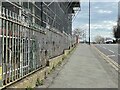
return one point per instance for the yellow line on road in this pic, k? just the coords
(0, 73)
(109, 60)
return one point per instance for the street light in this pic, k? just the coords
(89, 22)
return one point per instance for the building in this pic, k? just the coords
(31, 33)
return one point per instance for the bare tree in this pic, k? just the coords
(99, 39)
(79, 32)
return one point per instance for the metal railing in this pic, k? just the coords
(24, 48)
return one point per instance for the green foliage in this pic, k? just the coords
(29, 88)
(39, 82)
(59, 63)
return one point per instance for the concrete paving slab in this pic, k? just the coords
(86, 69)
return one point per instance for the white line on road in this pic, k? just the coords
(99, 46)
(110, 50)
(104, 47)
(107, 49)
(110, 55)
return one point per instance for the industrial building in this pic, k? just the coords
(31, 33)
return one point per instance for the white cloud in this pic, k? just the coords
(104, 11)
(110, 22)
(104, 25)
(96, 7)
(98, 0)
(103, 28)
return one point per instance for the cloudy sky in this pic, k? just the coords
(103, 17)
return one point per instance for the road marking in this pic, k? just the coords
(114, 64)
(110, 55)
(104, 47)
(99, 46)
(110, 50)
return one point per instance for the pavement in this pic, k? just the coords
(86, 69)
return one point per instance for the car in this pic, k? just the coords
(109, 41)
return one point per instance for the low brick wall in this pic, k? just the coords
(30, 81)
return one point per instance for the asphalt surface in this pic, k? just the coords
(110, 50)
(86, 69)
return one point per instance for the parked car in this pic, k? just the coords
(109, 41)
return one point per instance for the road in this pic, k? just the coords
(110, 50)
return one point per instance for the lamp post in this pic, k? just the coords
(89, 22)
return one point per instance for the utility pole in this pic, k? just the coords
(89, 22)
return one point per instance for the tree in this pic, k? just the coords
(99, 39)
(79, 32)
(116, 32)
